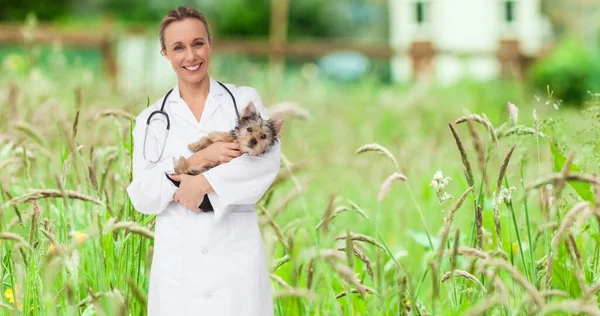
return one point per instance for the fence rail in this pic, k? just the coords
(46, 34)
(313, 48)
(276, 48)
(105, 43)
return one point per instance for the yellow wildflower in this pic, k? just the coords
(9, 295)
(81, 237)
(515, 248)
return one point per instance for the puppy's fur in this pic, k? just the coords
(254, 134)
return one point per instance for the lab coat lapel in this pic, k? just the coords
(213, 100)
(180, 108)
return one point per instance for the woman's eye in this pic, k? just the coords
(178, 47)
(199, 44)
(249, 129)
(263, 136)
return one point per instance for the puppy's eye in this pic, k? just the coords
(249, 129)
(263, 136)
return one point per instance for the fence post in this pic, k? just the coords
(278, 40)
(110, 62)
(511, 59)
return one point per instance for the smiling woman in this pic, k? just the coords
(207, 260)
(182, 42)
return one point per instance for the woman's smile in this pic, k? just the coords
(192, 68)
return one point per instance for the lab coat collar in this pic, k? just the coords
(213, 100)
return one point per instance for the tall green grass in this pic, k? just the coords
(72, 244)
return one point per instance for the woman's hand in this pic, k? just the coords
(191, 190)
(218, 153)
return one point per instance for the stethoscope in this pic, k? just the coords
(162, 112)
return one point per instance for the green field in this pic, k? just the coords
(72, 244)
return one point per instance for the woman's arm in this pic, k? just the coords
(245, 179)
(213, 154)
(150, 191)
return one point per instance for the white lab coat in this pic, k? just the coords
(209, 263)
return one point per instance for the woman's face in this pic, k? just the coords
(188, 49)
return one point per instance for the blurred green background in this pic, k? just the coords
(65, 111)
(568, 60)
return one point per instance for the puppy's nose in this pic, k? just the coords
(253, 142)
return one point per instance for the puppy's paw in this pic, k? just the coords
(194, 147)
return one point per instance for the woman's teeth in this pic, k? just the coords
(192, 68)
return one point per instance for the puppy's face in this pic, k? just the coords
(255, 134)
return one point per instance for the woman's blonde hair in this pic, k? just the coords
(179, 14)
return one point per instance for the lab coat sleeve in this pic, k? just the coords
(245, 179)
(150, 191)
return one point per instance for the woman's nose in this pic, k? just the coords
(190, 55)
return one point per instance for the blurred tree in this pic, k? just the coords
(17, 10)
(316, 18)
(238, 17)
(228, 18)
(307, 18)
(136, 11)
(570, 71)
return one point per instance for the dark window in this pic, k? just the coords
(509, 11)
(420, 12)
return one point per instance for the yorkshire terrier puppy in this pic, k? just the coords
(254, 134)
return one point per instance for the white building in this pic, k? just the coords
(463, 38)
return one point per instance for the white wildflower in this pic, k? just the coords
(513, 112)
(439, 182)
(555, 103)
(504, 196)
(445, 197)
(535, 122)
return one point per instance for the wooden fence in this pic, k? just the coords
(44, 34)
(104, 41)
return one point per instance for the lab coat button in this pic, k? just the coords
(204, 251)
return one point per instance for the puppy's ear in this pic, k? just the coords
(250, 110)
(277, 125)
